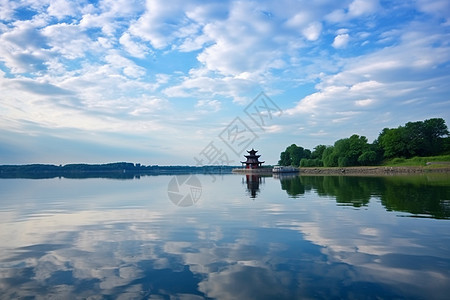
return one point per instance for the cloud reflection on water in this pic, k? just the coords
(273, 246)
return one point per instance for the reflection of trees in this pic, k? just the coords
(419, 195)
(292, 185)
(355, 191)
(422, 195)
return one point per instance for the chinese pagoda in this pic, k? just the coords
(252, 160)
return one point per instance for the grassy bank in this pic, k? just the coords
(415, 165)
(418, 161)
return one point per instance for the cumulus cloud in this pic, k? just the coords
(67, 40)
(203, 83)
(362, 7)
(357, 8)
(7, 9)
(128, 67)
(132, 47)
(103, 53)
(312, 32)
(24, 48)
(61, 8)
(162, 23)
(392, 76)
(341, 41)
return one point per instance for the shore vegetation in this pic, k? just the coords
(415, 144)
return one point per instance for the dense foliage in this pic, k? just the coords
(421, 138)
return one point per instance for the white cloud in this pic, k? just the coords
(341, 41)
(273, 129)
(200, 84)
(61, 8)
(68, 40)
(208, 106)
(366, 86)
(121, 8)
(378, 84)
(320, 100)
(362, 7)
(246, 44)
(336, 16)
(147, 105)
(7, 9)
(132, 47)
(110, 55)
(438, 8)
(192, 44)
(128, 67)
(342, 31)
(312, 32)
(23, 48)
(357, 8)
(65, 109)
(162, 23)
(229, 55)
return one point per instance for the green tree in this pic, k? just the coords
(329, 158)
(421, 138)
(368, 158)
(393, 142)
(311, 162)
(414, 139)
(293, 155)
(318, 151)
(347, 151)
(435, 131)
(296, 154)
(446, 145)
(285, 159)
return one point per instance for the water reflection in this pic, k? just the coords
(253, 182)
(421, 195)
(105, 239)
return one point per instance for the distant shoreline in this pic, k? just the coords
(120, 170)
(375, 170)
(130, 170)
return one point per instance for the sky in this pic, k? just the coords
(199, 82)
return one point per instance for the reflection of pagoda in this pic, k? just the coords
(252, 160)
(252, 182)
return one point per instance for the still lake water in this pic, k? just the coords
(308, 237)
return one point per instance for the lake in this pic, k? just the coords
(226, 237)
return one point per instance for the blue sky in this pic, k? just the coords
(161, 82)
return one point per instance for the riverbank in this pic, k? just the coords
(376, 170)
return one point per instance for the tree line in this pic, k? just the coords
(119, 170)
(421, 138)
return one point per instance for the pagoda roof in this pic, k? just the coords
(252, 158)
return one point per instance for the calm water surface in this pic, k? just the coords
(245, 238)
